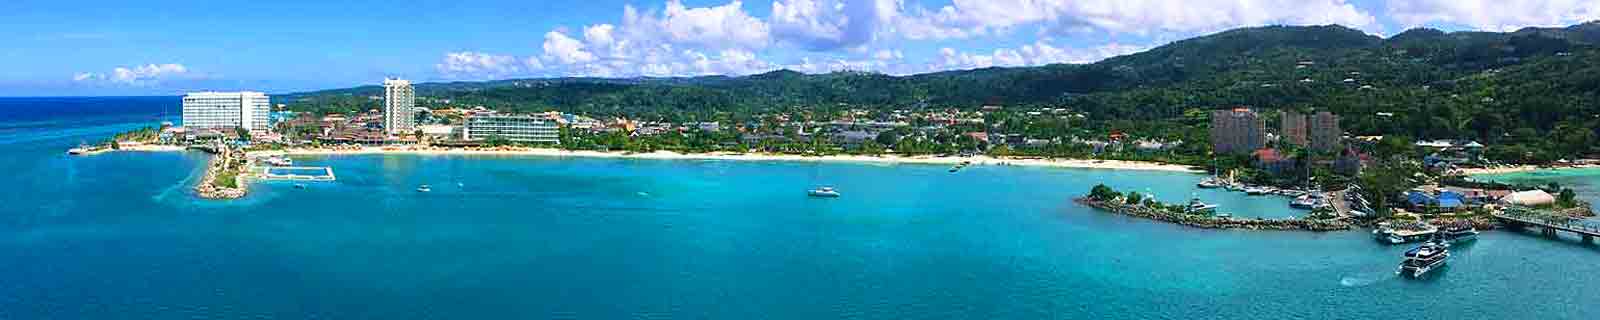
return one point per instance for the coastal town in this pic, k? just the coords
(1405, 191)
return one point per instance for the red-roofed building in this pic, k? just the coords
(1273, 161)
(980, 136)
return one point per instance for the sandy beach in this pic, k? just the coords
(665, 155)
(151, 148)
(1519, 169)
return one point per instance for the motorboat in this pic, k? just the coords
(1423, 259)
(823, 192)
(1209, 183)
(1404, 234)
(1199, 207)
(279, 161)
(424, 188)
(1458, 232)
(1304, 202)
(299, 186)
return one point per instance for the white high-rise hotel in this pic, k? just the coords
(398, 99)
(225, 111)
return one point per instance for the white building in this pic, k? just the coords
(518, 128)
(224, 111)
(398, 99)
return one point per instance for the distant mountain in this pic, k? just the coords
(1324, 67)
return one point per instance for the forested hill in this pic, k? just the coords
(1437, 84)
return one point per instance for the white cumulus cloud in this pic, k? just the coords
(479, 65)
(1035, 54)
(142, 75)
(831, 24)
(722, 26)
(1497, 15)
(965, 18)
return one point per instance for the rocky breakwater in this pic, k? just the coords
(223, 179)
(1213, 222)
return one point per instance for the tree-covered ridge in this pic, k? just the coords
(1530, 87)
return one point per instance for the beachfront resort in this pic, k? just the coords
(1404, 191)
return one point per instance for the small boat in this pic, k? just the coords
(1458, 233)
(1403, 234)
(1304, 202)
(424, 188)
(280, 161)
(1423, 259)
(299, 186)
(823, 192)
(1199, 207)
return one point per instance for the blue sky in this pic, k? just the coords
(154, 47)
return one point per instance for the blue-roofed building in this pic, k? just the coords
(1445, 201)
(1419, 199)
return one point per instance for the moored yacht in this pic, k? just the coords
(280, 161)
(1423, 259)
(1255, 191)
(1199, 207)
(1305, 202)
(1404, 233)
(1459, 232)
(1209, 183)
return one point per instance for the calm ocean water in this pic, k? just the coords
(119, 236)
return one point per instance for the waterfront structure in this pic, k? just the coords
(398, 99)
(512, 127)
(225, 111)
(1237, 131)
(1293, 128)
(1325, 132)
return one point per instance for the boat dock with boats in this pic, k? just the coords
(1406, 233)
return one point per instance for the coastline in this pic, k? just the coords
(668, 155)
(1519, 169)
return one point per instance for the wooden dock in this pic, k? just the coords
(1550, 224)
(266, 174)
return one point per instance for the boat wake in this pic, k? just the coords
(1366, 279)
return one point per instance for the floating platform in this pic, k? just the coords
(295, 173)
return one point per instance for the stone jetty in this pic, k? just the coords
(1213, 222)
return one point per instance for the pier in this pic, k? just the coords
(1550, 225)
(327, 174)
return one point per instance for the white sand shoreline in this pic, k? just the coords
(665, 155)
(1520, 169)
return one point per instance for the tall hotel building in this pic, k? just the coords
(1325, 132)
(517, 128)
(1293, 128)
(1237, 131)
(225, 111)
(398, 99)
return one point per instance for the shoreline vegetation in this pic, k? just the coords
(1105, 199)
(1519, 169)
(224, 178)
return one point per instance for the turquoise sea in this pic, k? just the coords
(120, 236)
